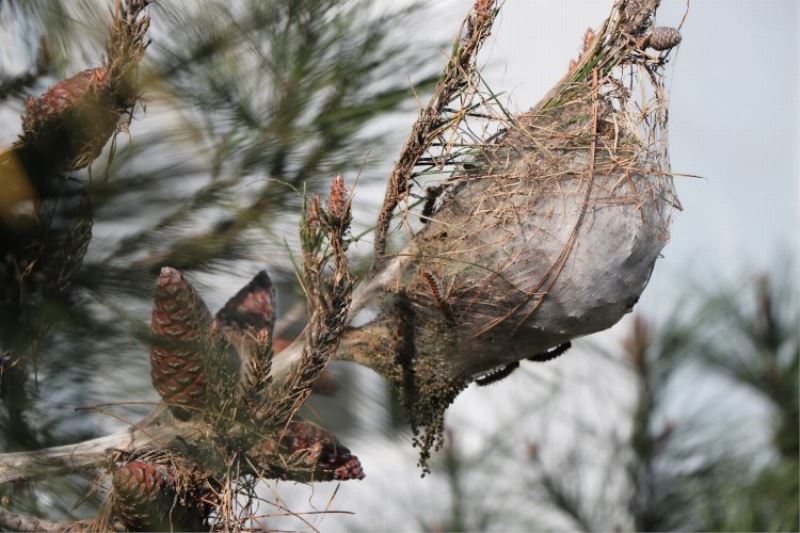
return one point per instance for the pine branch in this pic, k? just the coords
(461, 66)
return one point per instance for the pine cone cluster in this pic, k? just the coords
(190, 355)
(190, 349)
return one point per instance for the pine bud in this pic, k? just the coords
(338, 201)
(588, 39)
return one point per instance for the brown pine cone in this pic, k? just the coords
(306, 452)
(71, 122)
(139, 488)
(246, 323)
(179, 323)
(150, 497)
(663, 38)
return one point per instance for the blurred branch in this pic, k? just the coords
(90, 454)
(17, 522)
(561, 498)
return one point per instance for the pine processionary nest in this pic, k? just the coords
(548, 228)
(547, 237)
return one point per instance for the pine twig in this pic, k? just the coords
(18, 522)
(328, 297)
(474, 31)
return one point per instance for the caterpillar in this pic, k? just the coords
(496, 375)
(549, 355)
(437, 292)
(433, 285)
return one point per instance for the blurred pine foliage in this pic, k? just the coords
(245, 104)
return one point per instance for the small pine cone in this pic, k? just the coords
(61, 98)
(71, 122)
(253, 307)
(246, 323)
(179, 322)
(313, 214)
(148, 496)
(307, 453)
(663, 38)
(140, 489)
(588, 39)
(322, 451)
